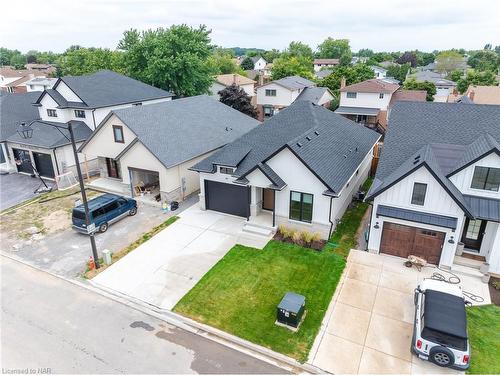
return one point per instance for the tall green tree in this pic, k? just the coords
(412, 84)
(352, 74)
(271, 55)
(398, 71)
(365, 52)
(292, 66)
(78, 61)
(484, 60)
(335, 49)
(247, 64)
(7, 54)
(174, 59)
(486, 78)
(447, 61)
(222, 63)
(18, 61)
(299, 49)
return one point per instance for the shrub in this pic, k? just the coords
(316, 237)
(297, 236)
(282, 229)
(496, 285)
(307, 236)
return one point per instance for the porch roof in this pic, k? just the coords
(484, 208)
(357, 111)
(417, 217)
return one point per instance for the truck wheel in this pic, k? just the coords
(441, 356)
(103, 227)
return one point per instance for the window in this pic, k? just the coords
(2, 155)
(486, 178)
(118, 134)
(137, 104)
(268, 111)
(301, 206)
(381, 95)
(418, 196)
(51, 113)
(270, 92)
(473, 229)
(79, 113)
(351, 95)
(226, 170)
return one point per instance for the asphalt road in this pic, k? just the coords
(16, 188)
(53, 326)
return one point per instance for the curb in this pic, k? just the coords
(189, 325)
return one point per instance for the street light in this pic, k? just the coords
(26, 132)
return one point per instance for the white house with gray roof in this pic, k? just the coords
(276, 95)
(299, 168)
(85, 101)
(148, 150)
(437, 187)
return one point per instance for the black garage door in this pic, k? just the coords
(23, 160)
(43, 164)
(227, 198)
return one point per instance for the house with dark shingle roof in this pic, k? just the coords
(148, 150)
(436, 193)
(85, 101)
(299, 168)
(276, 95)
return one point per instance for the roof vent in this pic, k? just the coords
(345, 156)
(416, 160)
(228, 128)
(308, 138)
(299, 144)
(356, 149)
(316, 132)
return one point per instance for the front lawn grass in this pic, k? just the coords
(484, 335)
(240, 293)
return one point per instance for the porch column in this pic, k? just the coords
(253, 201)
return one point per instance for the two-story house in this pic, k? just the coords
(437, 187)
(319, 64)
(378, 71)
(276, 95)
(225, 80)
(259, 63)
(367, 102)
(85, 101)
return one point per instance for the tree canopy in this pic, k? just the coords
(486, 78)
(408, 57)
(299, 49)
(247, 64)
(292, 66)
(237, 98)
(398, 71)
(78, 61)
(352, 74)
(412, 84)
(335, 49)
(447, 61)
(173, 59)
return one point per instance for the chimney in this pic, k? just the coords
(455, 91)
(342, 83)
(234, 79)
(471, 95)
(261, 78)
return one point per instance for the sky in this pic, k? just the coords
(383, 25)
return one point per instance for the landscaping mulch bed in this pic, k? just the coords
(494, 293)
(315, 245)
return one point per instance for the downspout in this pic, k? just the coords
(369, 228)
(55, 159)
(274, 208)
(330, 219)
(93, 117)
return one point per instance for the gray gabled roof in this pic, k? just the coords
(464, 132)
(417, 216)
(484, 208)
(278, 183)
(313, 94)
(323, 73)
(180, 130)
(15, 109)
(433, 77)
(47, 136)
(331, 146)
(106, 88)
(62, 102)
(294, 82)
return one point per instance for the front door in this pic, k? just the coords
(473, 234)
(23, 160)
(268, 199)
(113, 170)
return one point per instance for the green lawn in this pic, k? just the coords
(240, 293)
(484, 334)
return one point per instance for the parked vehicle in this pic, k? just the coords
(440, 327)
(104, 210)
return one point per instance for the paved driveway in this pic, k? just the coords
(167, 266)
(16, 188)
(369, 324)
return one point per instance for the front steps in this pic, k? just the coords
(259, 229)
(467, 262)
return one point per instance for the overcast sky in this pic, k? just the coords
(383, 25)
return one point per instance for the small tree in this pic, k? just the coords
(408, 57)
(412, 84)
(237, 98)
(247, 64)
(398, 71)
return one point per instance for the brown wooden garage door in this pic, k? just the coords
(402, 240)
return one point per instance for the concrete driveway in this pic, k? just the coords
(16, 188)
(369, 324)
(162, 270)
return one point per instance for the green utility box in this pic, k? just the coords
(291, 309)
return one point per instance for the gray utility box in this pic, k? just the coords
(291, 309)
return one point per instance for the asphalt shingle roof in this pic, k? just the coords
(417, 216)
(179, 130)
(294, 82)
(15, 109)
(106, 88)
(329, 144)
(313, 94)
(47, 136)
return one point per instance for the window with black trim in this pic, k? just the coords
(79, 113)
(270, 92)
(301, 206)
(418, 195)
(118, 134)
(51, 113)
(226, 170)
(268, 111)
(381, 95)
(352, 95)
(486, 178)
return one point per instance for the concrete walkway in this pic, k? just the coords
(162, 270)
(369, 324)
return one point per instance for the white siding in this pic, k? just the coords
(284, 97)
(67, 93)
(492, 252)
(366, 100)
(215, 88)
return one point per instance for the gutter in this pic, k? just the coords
(330, 219)
(93, 117)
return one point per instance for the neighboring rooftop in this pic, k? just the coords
(15, 109)
(106, 88)
(323, 73)
(372, 86)
(484, 94)
(42, 81)
(179, 130)
(433, 77)
(408, 96)
(236, 79)
(313, 94)
(312, 132)
(294, 82)
(326, 61)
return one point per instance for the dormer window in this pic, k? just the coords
(486, 178)
(226, 170)
(79, 113)
(118, 134)
(351, 95)
(51, 113)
